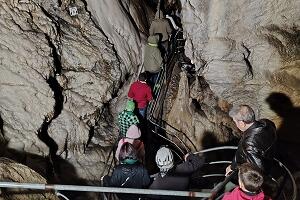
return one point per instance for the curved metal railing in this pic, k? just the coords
(215, 193)
(280, 176)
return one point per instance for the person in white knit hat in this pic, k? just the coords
(172, 176)
(132, 136)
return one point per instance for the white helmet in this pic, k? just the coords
(164, 159)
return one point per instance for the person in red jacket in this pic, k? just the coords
(250, 183)
(141, 93)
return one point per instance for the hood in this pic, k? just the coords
(159, 15)
(153, 39)
(133, 132)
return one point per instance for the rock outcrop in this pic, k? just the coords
(11, 171)
(59, 75)
(219, 33)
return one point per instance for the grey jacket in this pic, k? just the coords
(161, 26)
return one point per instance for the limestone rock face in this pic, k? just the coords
(59, 75)
(16, 172)
(198, 113)
(25, 67)
(215, 31)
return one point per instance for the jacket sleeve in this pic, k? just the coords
(252, 152)
(146, 178)
(233, 163)
(135, 120)
(193, 163)
(158, 59)
(115, 178)
(149, 94)
(130, 92)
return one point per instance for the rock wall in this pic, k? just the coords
(215, 31)
(60, 76)
(247, 52)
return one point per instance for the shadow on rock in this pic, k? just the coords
(62, 173)
(288, 145)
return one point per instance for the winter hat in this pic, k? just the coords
(133, 132)
(164, 160)
(130, 106)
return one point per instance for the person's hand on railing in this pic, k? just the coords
(228, 170)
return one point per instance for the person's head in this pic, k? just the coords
(164, 160)
(127, 152)
(143, 76)
(133, 132)
(243, 116)
(250, 177)
(130, 106)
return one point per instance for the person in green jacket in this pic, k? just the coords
(153, 61)
(127, 118)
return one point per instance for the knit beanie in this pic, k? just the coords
(130, 106)
(164, 160)
(133, 132)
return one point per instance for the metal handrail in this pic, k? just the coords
(61, 195)
(209, 195)
(152, 107)
(57, 187)
(280, 164)
(291, 177)
(216, 148)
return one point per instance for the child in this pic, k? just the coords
(132, 136)
(250, 182)
(141, 93)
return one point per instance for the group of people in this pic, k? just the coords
(131, 173)
(253, 158)
(141, 91)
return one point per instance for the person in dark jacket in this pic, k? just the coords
(130, 173)
(257, 145)
(250, 184)
(141, 93)
(174, 177)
